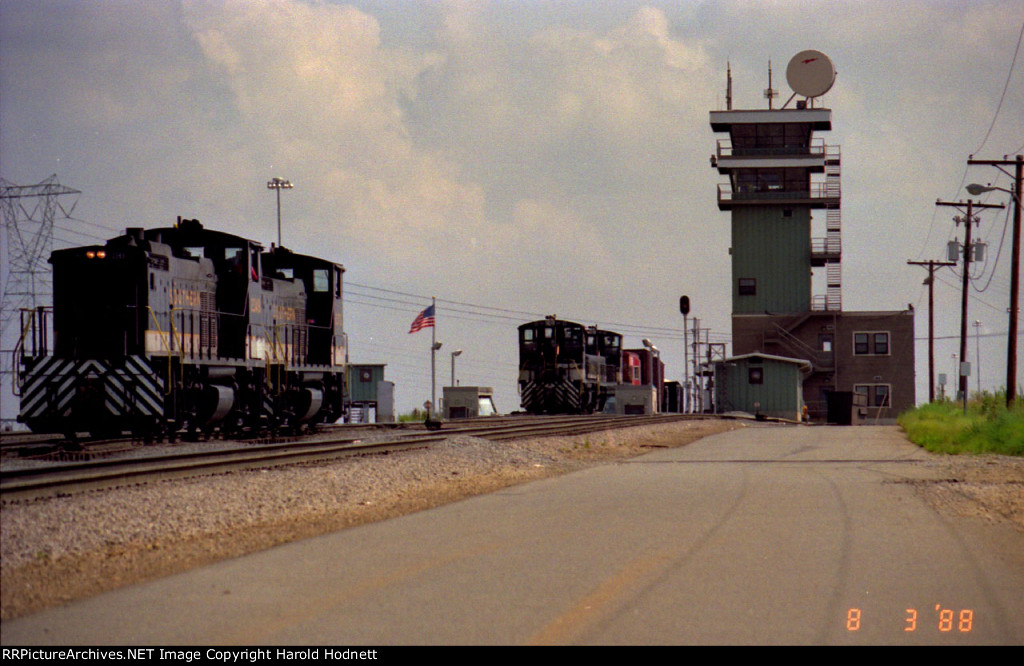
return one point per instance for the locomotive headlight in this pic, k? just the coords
(102, 254)
(90, 254)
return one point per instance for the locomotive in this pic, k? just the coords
(568, 368)
(184, 329)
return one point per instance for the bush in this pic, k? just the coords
(986, 427)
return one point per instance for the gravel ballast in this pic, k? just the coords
(59, 549)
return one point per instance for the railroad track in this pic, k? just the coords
(68, 478)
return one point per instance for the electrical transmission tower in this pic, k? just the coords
(28, 212)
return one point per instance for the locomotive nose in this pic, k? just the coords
(88, 402)
(89, 410)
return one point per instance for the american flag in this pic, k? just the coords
(423, 320)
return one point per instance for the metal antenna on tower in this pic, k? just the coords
(770, 93)
(728, 86)
(28, 212)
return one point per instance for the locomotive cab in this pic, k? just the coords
(99, 305)
(557, 374)
(321, 284)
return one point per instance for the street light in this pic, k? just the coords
(974, 189)
(1011, 351)
(454, 354)
(279, 184)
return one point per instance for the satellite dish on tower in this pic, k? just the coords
(810, 73)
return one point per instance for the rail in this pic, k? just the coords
(114, 472)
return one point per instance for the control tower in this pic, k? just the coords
(784, 198)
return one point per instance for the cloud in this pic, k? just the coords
(413, 155)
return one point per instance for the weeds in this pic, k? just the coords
(988, 426)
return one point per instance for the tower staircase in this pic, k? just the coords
(833, 301)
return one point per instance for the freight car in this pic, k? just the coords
(184, 329)
(567, 368)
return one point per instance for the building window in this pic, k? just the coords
(755, 375)
(748, 286)
(878, 395)
(869, 343)
(881, 341)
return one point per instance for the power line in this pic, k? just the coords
(493, 313)
(999, 252)
(1006, 86)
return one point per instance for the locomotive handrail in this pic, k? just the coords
(192, 347)
(278, 347)
(159, 328)
(170, 352)
(16, 355)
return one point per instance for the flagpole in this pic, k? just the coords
(433, 354)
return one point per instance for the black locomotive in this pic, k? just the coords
(184, 328)
(567, 368)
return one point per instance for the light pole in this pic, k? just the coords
(977, 349)
(279, 184)
(454, 354)
(434, 346)
(1011, 350)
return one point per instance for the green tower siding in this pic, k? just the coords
(776, 251)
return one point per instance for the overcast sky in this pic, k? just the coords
(519, 158)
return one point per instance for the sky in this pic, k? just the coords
(520, 158)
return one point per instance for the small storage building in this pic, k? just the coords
(462, 402)
(761, 384)
(365, 383)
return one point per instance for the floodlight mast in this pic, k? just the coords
(279, 184)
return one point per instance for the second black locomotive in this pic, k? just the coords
(567, 368)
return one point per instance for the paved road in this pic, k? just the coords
(767, 535)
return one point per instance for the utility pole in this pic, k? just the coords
(684, 308)
(1011, 351)
(697, 394)
(29, 215)
(930, 281)
(968, 220)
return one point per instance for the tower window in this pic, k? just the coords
(748, 286)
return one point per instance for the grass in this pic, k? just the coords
(414, 416)
(987, 427)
